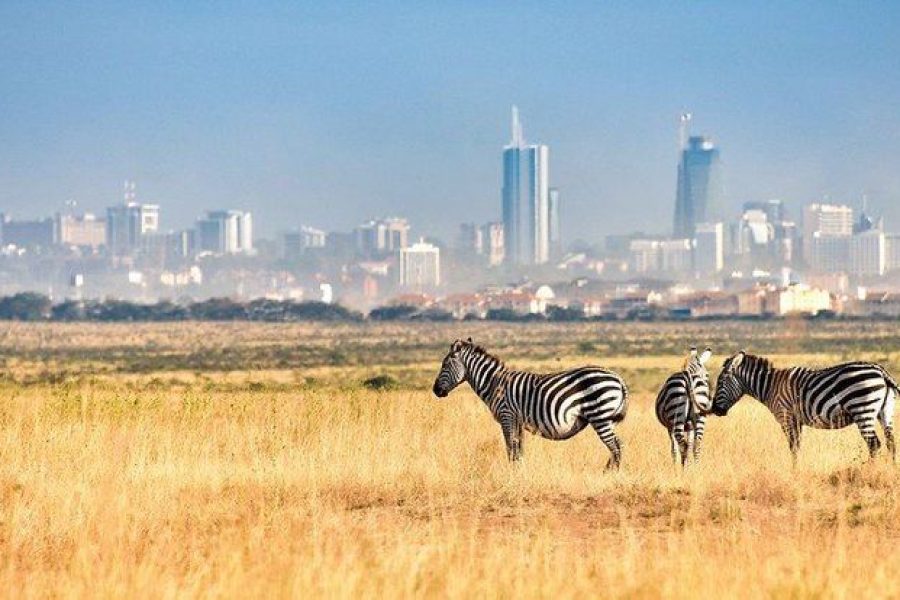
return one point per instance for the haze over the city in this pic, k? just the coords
(328, 115)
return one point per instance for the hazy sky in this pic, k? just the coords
(329, 113)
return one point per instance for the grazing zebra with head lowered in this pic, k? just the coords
(682, 405)
(831, 398)
(554, 406)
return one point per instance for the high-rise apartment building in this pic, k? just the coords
(699, 196)
(526, 199)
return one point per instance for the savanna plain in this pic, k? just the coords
(254, 460)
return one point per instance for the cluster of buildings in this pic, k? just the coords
(131, 229)
(714, 261)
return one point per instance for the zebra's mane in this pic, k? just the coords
(757, 362)
(476, 349)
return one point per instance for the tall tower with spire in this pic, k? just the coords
(699, 192)
(525, 199)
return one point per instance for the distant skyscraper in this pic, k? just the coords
(26, 234)
(128, 224)
(471, 239)
(298, 241)
(380, 236)
(526, 199)
(225, 232)
(709, 255)
(494, 243)
(555, 239)
(821, 223)
(83, 230)
(420, 267)
(699, 197)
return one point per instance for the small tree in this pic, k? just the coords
(26, 306)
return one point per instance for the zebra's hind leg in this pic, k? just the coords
(866, 424)
(675, 452)
(679, 440)
(689, 446)
(608, 436)
(699, 428)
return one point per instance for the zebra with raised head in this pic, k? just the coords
(682, 405)
(859, 393)
(555, 406)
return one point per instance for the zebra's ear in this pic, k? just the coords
(705, 356)
(470, 340)
(693, 351)
(737, 359)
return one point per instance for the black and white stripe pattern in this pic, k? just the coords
(682, 405)
(859, 393)
(555, 406)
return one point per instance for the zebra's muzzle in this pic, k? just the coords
(440, 393)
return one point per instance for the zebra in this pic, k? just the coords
(555, 406)
(830, 398)
(682, 405)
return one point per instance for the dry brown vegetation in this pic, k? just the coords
(148, 460)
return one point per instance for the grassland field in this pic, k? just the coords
(250, 460)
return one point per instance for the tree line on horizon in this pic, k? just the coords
(31, 306)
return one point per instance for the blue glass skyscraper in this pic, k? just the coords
(526, 199)
(699, 197)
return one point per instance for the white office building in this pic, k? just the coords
(868, 253)
(709, 252)
(225, 232)
(824, 220)
(676, 256)
(420, 267)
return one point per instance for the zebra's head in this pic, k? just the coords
(453, 370)
(729, 387)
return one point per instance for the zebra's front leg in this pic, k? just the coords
(791, 427)
(608, 436)
(512, 435)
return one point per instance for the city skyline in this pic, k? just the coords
(402, 122)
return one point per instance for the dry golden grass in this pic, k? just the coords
(149, 485)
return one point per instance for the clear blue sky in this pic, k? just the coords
(328, 113)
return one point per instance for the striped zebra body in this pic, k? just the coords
(555, 406)
(860, 393)
(682, 405)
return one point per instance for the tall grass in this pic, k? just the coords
(124, 490)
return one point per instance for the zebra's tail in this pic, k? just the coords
(618, 417)
(890, 381)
